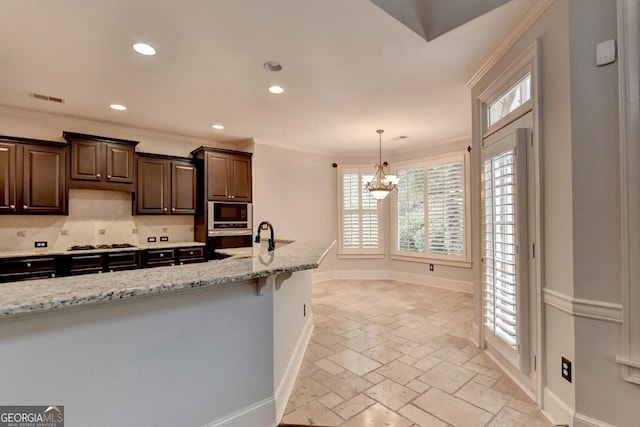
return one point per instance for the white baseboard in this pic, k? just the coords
(321, 276)
(581, 420)
(259, 414)
(361, 274)
(555, 409)
(284, 389)
(417, 279)
(475, 334)
(436, 282)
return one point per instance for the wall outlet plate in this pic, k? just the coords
(40, 244)
(151, 239)
(164, 238)
(566, 369)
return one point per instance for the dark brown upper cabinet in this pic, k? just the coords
(166, 185)
(33, 176)
(227, 174)
(101, 163)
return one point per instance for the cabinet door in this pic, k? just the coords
(7, 178)
(241, 178)
(86, 158)
(44, 187)
(120, 161)
(153, 181)
(217, 173)
(183, 188)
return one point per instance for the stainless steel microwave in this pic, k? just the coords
(229, 218)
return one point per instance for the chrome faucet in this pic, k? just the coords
(264, 225)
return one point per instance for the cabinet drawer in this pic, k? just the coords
(27, 268)
(85, 264)
(158, 257)
(31, 265)
(191, 255)
(121, 261)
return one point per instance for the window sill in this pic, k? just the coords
(422, 260)
(361, 256)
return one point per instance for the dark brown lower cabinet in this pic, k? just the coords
(41, 267)
(117, 261)
(15, 269)
(84, 264)
(158, 257)
(191, 255)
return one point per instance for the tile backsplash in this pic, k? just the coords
(95, 217)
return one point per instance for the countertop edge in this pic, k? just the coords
(245, 269)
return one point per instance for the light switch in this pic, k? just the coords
(606, 52)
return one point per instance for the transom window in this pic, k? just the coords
(510, 101)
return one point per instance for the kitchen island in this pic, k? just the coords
(214, 344)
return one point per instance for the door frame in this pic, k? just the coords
(528, 60)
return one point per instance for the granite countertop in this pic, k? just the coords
(51, 252)
(42, 295)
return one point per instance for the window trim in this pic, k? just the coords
(357, 253)
(426, 256)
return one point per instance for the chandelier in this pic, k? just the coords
(380, 184)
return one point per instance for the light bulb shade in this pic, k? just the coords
(379, 194)
(394, 180)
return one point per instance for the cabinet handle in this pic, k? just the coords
(25, 207)
(161, 255)
(191, 253)
(97, 175)
(12, 207)
(109, 176)
(28, 265)
(165, 209)
(173, 209)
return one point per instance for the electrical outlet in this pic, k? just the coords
(304, 310)
(151, 239)
(431, 267)
(134, 231)
(165, 230)
(40, 244)
(102, 231)
(64, 232)
(566, 369)
(21, 233)
(164, 238)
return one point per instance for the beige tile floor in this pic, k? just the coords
(393, 354)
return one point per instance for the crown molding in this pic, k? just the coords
(539, 7)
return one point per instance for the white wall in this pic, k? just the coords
(296, 192)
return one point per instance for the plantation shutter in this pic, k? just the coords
(410, 210)
(445, 213)
(504, 248)
(360, 215)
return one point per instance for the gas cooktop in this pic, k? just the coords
(111, 246)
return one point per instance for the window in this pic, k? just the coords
(504, 243)
(410, 210)
(510, 101)
(360, 215)
(430, 214)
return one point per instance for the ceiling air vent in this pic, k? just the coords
(47, 98)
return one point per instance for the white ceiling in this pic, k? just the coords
(349, 68)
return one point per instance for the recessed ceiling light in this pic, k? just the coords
(217, 126)
(118, 107)
(275, 89)
(144, 49)
(273, 66)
